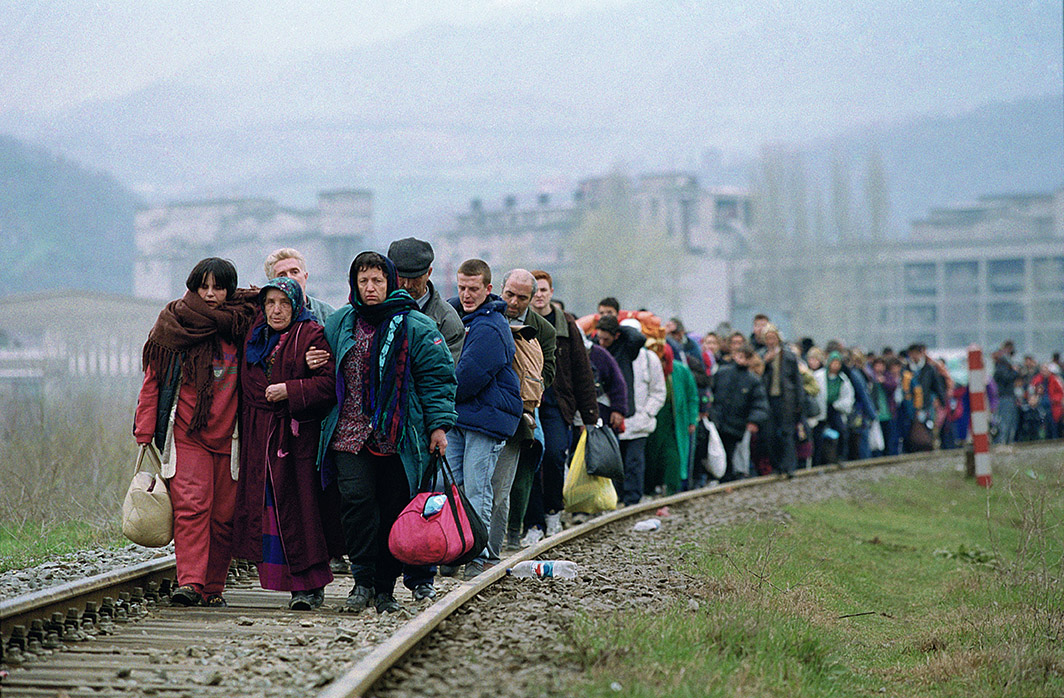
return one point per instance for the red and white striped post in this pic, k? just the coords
(980, 415)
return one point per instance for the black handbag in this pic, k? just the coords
(810, 406)
(602, 457)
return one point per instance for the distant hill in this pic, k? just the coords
(62, 225)
(998, 148)
(447, 113)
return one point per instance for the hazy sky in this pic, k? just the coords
(58, 53)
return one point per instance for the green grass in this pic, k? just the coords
(929, 587)
(26, 544)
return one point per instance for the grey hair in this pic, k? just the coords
(520, 276)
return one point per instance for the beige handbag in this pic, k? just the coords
(147, 516)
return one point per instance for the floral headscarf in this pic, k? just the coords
(263, 337)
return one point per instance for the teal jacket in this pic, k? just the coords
(430, 402)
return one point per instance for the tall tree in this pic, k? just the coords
(877, 195)
(841, 216)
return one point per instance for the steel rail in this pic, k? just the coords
(361, 677)
(40, 604)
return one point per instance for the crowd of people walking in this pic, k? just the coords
(293, 434)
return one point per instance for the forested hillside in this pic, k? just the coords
(67, 226)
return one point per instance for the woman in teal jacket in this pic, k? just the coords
(395, 389)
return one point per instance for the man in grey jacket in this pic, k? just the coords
(413, 262)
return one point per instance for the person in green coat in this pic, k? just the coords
(669, 446)
(395, 386)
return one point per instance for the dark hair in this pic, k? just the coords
(611, 302)
(761, 316)
(609, 323)
(679, 325)
(223, 270)
(747, 349)
(368, 260)
(737, 333)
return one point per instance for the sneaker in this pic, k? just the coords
(186, 595)
(513, 541)
(534, 535)
(359, 599)
(216, 601)
(386, 603)
(448, 571)
(554, 524)
(475, 569)
(424, 591)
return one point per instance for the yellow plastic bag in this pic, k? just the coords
(583, 493)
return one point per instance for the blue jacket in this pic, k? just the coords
(488, 399)
(430, 403)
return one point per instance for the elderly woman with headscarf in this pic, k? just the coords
(395, 385)
(188, 406)
(277, 523)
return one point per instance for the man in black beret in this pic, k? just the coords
(413, 262)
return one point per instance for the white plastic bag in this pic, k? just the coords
(875, 437)
(716, 461)
(147, 515)
(741, 458)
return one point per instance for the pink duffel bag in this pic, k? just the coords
(438, 527)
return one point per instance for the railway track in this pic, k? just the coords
(115, 634)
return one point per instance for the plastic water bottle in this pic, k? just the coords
(433, 505)
(562, 569)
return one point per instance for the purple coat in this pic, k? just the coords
(610, 380)
(281, 438)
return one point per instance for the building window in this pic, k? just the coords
(1047, 274)
(1005, 275)
(920, 315)
(1004, 312)
(962, 278)
(920, 279)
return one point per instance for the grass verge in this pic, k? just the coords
(929, 587)
(27, 544)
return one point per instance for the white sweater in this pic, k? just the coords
(649, 391)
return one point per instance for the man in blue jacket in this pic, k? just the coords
(488, 400)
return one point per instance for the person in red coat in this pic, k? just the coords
(278, 522)
(188, 407)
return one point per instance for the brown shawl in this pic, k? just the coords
(190, 328)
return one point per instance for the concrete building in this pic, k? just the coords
(979, 272)
(56, 344)
(170, 240)
(710, 224)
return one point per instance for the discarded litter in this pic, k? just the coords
(651, 524)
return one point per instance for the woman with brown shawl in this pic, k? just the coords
(190, 394)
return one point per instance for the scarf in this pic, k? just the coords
(384, 395)
(191, 331)
(264, 338)
(775, 389)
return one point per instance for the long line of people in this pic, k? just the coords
(293, 433)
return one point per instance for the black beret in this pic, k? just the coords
(412, 257)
